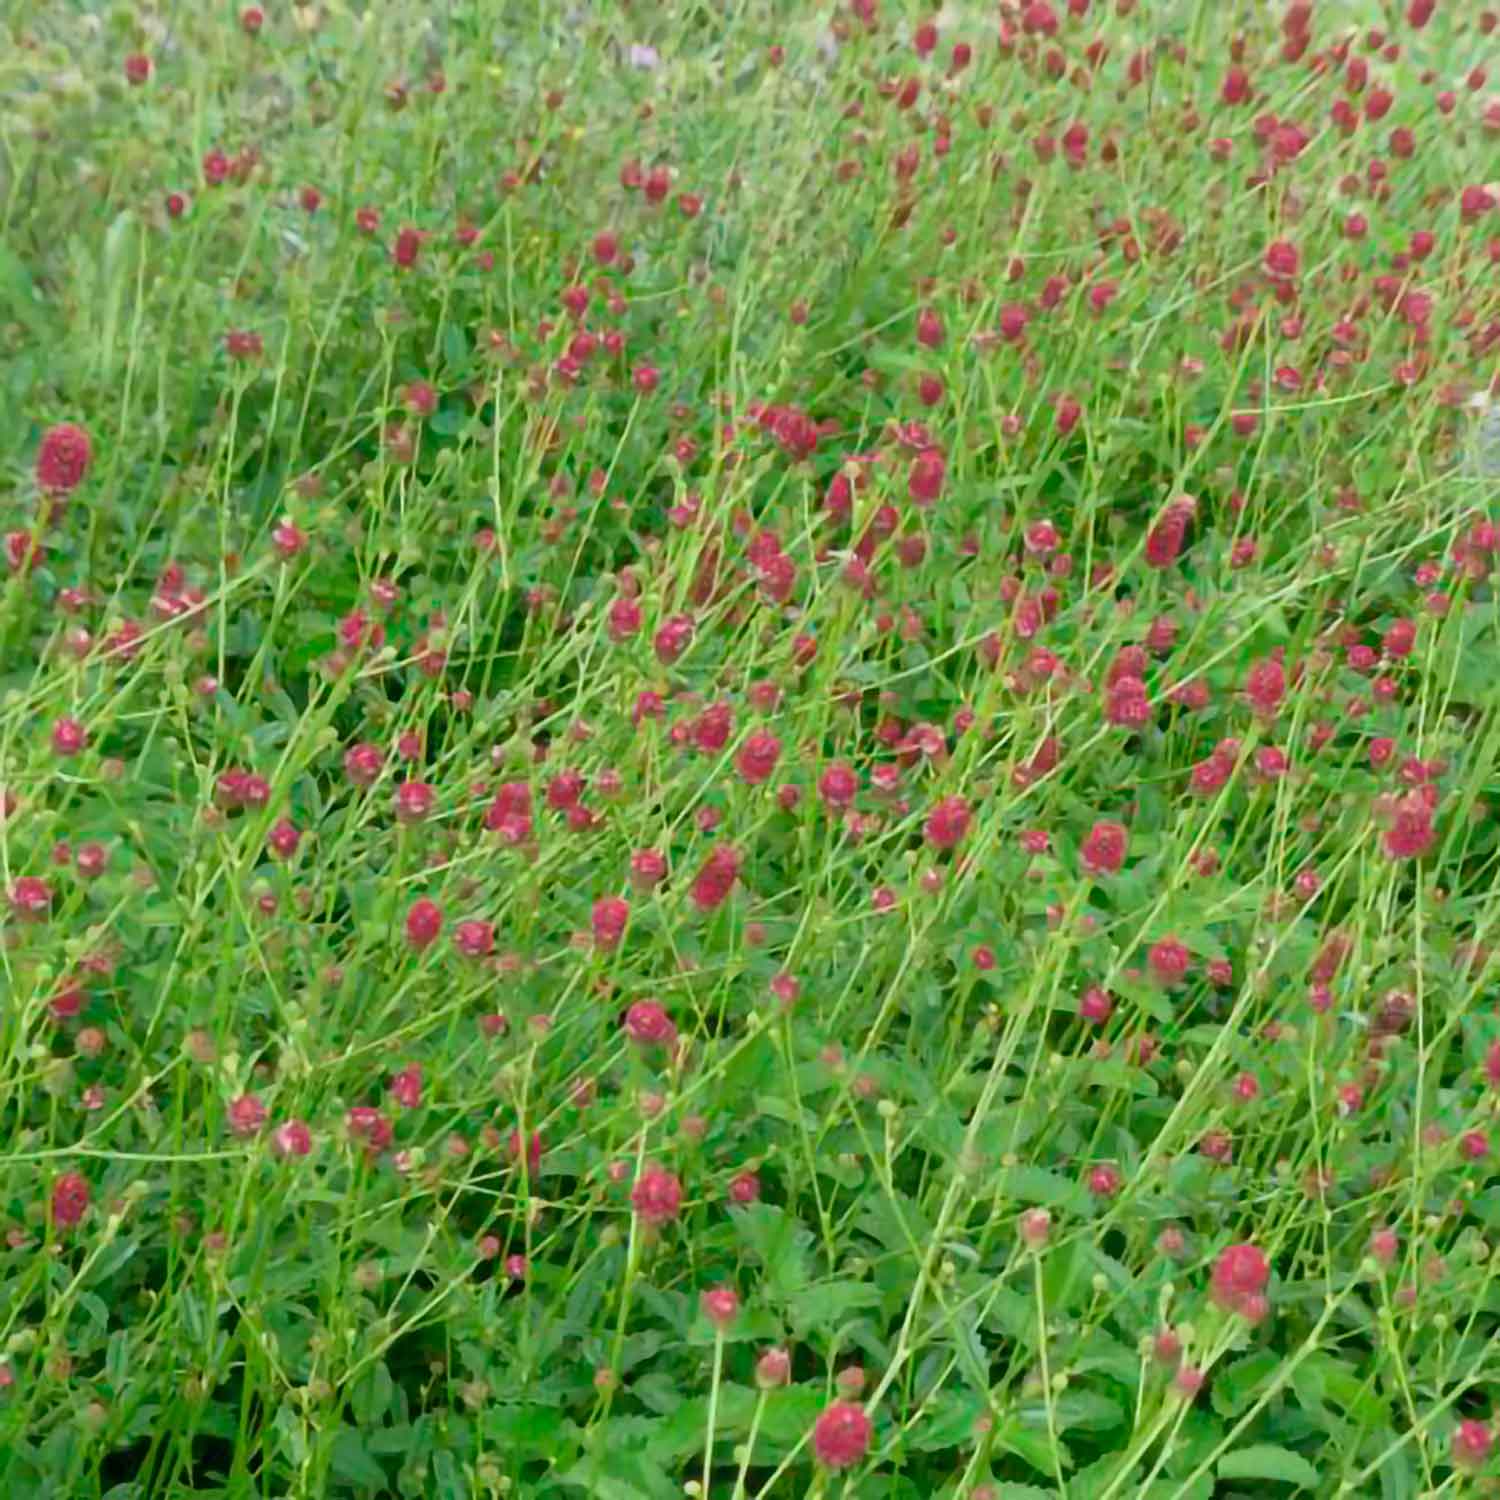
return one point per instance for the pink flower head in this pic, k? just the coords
(1240, 1276)
(948, 822)
(424, 921)
(1036, 1227)
(31, 898)
(623, 619)
(1473, 1442)
(841, 1435)
(773, 1368)
(1104, 1180)
(69, 737)
(1127, 704)
(509, 814)
(284, 838)
(367, 1124)
(672, 638)
(1095, 1005)
(648, 868)
(70, 1199)
(1103, 851)
(608, 919)
(247, 1114)
(414, 801)
(1282, 260)
(744, 1187)
(474, 938)
(362, 764)
(647, 1024)
(838, 785)
(1169, 960)
(924, 481)
(406, 1086)
(1265, 686)
(1492, 1065)
(656, 1196)
(716, 877)
(291, 1138)
(721, 1305)
(1411, 834)
(758, 757)
(62, 458)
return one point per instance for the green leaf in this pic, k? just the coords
(1267, 1461)
(1034, 1448)
(528, 1431)
(1175, 1489)
(352, 1463)
(1098, 1477)
(779, 1241)
(1236, 1386)
(616, 1474)
(829, 1304)
(1038, 1185)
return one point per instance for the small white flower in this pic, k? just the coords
(643, 56)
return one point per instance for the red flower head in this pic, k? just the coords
(673, 638)
(1411, 833)
(1104, 1181)
(70, 1199)
(424, 921)
(31, 898)
(1282, 260)
(838, 785)
(721, 1305)
(758, 757)
(744, 1187)
(1473, 1442)
(648, 1025)
(474, 938)
(247, 1114)
(62, 459)
(716, 877)
(1169, 960)
(948, 822)
(414, 801)
(648, 868)
(656, 1196)
(406, 1086)
(1240, 1276)
(292, 1138)
(608, 919)
(367, 1124)
(1265, 686)
(841, 1435)
(924, 481)
(1103, 851)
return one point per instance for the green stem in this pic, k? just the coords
(713, 1408)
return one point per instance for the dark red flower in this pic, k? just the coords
(1103, 851)
(841, 1435)
(70, 1199)
(63, 458)
(656, 1196)
(1240, 1276)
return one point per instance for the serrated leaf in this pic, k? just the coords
(780, 1242)
(352, 1463)
(1267, 1461)
(829, 1304)
(1034, 1448)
